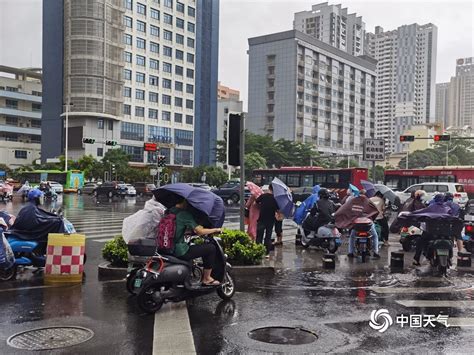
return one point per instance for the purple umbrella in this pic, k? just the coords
(283, 197)
(203, 202)
(369, 188)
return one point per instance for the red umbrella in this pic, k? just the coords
(254, 189)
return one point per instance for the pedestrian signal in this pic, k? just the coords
(407, 138)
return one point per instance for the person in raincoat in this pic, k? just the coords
(254, 213)
(303, 209)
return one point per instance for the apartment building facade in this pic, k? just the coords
(20, 116)
(305, 90)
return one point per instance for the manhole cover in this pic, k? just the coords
(50, 338)
(283, 335)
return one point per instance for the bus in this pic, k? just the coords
(404, 178)
(302, 178)
(72, 180)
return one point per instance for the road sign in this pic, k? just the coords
(160, 170)
(53, 160)
(166, 178)
(153, 172)
(150, 147)
(374, 149)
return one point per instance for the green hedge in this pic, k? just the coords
(115, 251)
(240, 249)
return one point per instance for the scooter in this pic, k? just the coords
(169, 279)
(363, 241)
(409, 237)
(327, 236)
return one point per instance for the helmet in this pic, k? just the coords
(35, 195)
(448, 196)
(438, 198)
(323, 193)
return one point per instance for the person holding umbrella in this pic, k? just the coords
(266, 220)
(253, 209)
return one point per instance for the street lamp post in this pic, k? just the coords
(66, 139)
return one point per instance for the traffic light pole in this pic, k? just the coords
(242, 172)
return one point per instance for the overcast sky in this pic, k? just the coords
(20, 29)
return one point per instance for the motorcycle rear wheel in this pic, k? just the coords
(406, 246)
(147, 302)
(8, 274)
(131, 281)
(332, 247)
(443, 270)
(227, 290)
(363, 256)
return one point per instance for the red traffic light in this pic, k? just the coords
(407, 138)
(442, 137)
(469, 228)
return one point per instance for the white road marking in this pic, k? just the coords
(172, 332)
(436, 304)
(410, 290)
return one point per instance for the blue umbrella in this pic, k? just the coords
(354, 189)
(369, 188)
(306, 206)
(283, 197)
(202, 201)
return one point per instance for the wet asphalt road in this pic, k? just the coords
(334, 304)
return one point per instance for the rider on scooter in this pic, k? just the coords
(325, 207)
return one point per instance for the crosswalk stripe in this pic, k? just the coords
(436, 304)
(410, 290)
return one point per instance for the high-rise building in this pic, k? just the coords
(406, 79)
(131, 72)
(442, 104)
(225, 92)
(333, 25)
(305, 90)
(461, 94)
(20, 116)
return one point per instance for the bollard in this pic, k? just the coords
(298, 237)
(396, 260)
(329, 261)
(464, 259)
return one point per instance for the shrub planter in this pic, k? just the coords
(107, 270)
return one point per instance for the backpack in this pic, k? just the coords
(166, 233)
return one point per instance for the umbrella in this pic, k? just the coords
(305, 207)
(254, 189)
(203, 204)
(354, 189)
(369, 188)
(283, 197)
(388, 193)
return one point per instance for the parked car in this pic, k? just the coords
(231, 191)
(110, 189)
(130, 190)
(144, 188)
(56, 187)
(431, 188)
(89, 188)
(201, 185)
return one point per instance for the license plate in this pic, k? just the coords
(362, 240)
(138, 283)
(442, 252)
(469, 217)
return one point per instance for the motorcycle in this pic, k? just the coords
(327, 236)
(409, 237)
(169, 279)
(363, 241)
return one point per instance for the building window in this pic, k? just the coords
(153, 113)
(139, 111)
(191, 11)
(154, 31)
(190, 73)
(127, 74)
(178, 117)
(100, 152)
(166, 99)
(111, 125)
(154, 47)
(190, 42)
(127, 57)
(179, 54)
(166, 115)
(178, 102)
(11, 121)
(127, 39)
(36, 107)
(179, 39)
(155, 14)
(189, 104)
(140, 60)
(141, 26)
(140, 78)
(191, 27)
(178, 70)
(141, 9)
(21, 154)
(127, 109)
(141, 43)
(154, 64)
(168, 3)
(159, 134)
(135, 153)
(179, 23)
(127, 21)
(183, 157)
(178, 86)
(168, 19)
(11, 104)
(190, 58)
(167, 51)
(132, 131)
(189, 88)
(179, 7)
(182, 137)
(140, 94)
(168, 35)
(153, 96)
(153, 80)
(100, 124)
(128, 4)
(127, 92)
(167, 67)
(166, 83)
(35, 123)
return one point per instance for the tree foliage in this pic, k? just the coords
(253, 161)
(215, 176)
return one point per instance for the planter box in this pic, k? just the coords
(106, 270)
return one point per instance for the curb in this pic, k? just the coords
(252, 270)
(105, 270)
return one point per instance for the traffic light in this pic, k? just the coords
(233, 145)
(407, 138)
(112, 143)
(442, 137)
(88, 140)
(161, 161)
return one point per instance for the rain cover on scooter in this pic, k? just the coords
(144, 223)
(306, 205)
(7, 258)
(33, 223)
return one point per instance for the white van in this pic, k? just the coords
(431, 188)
